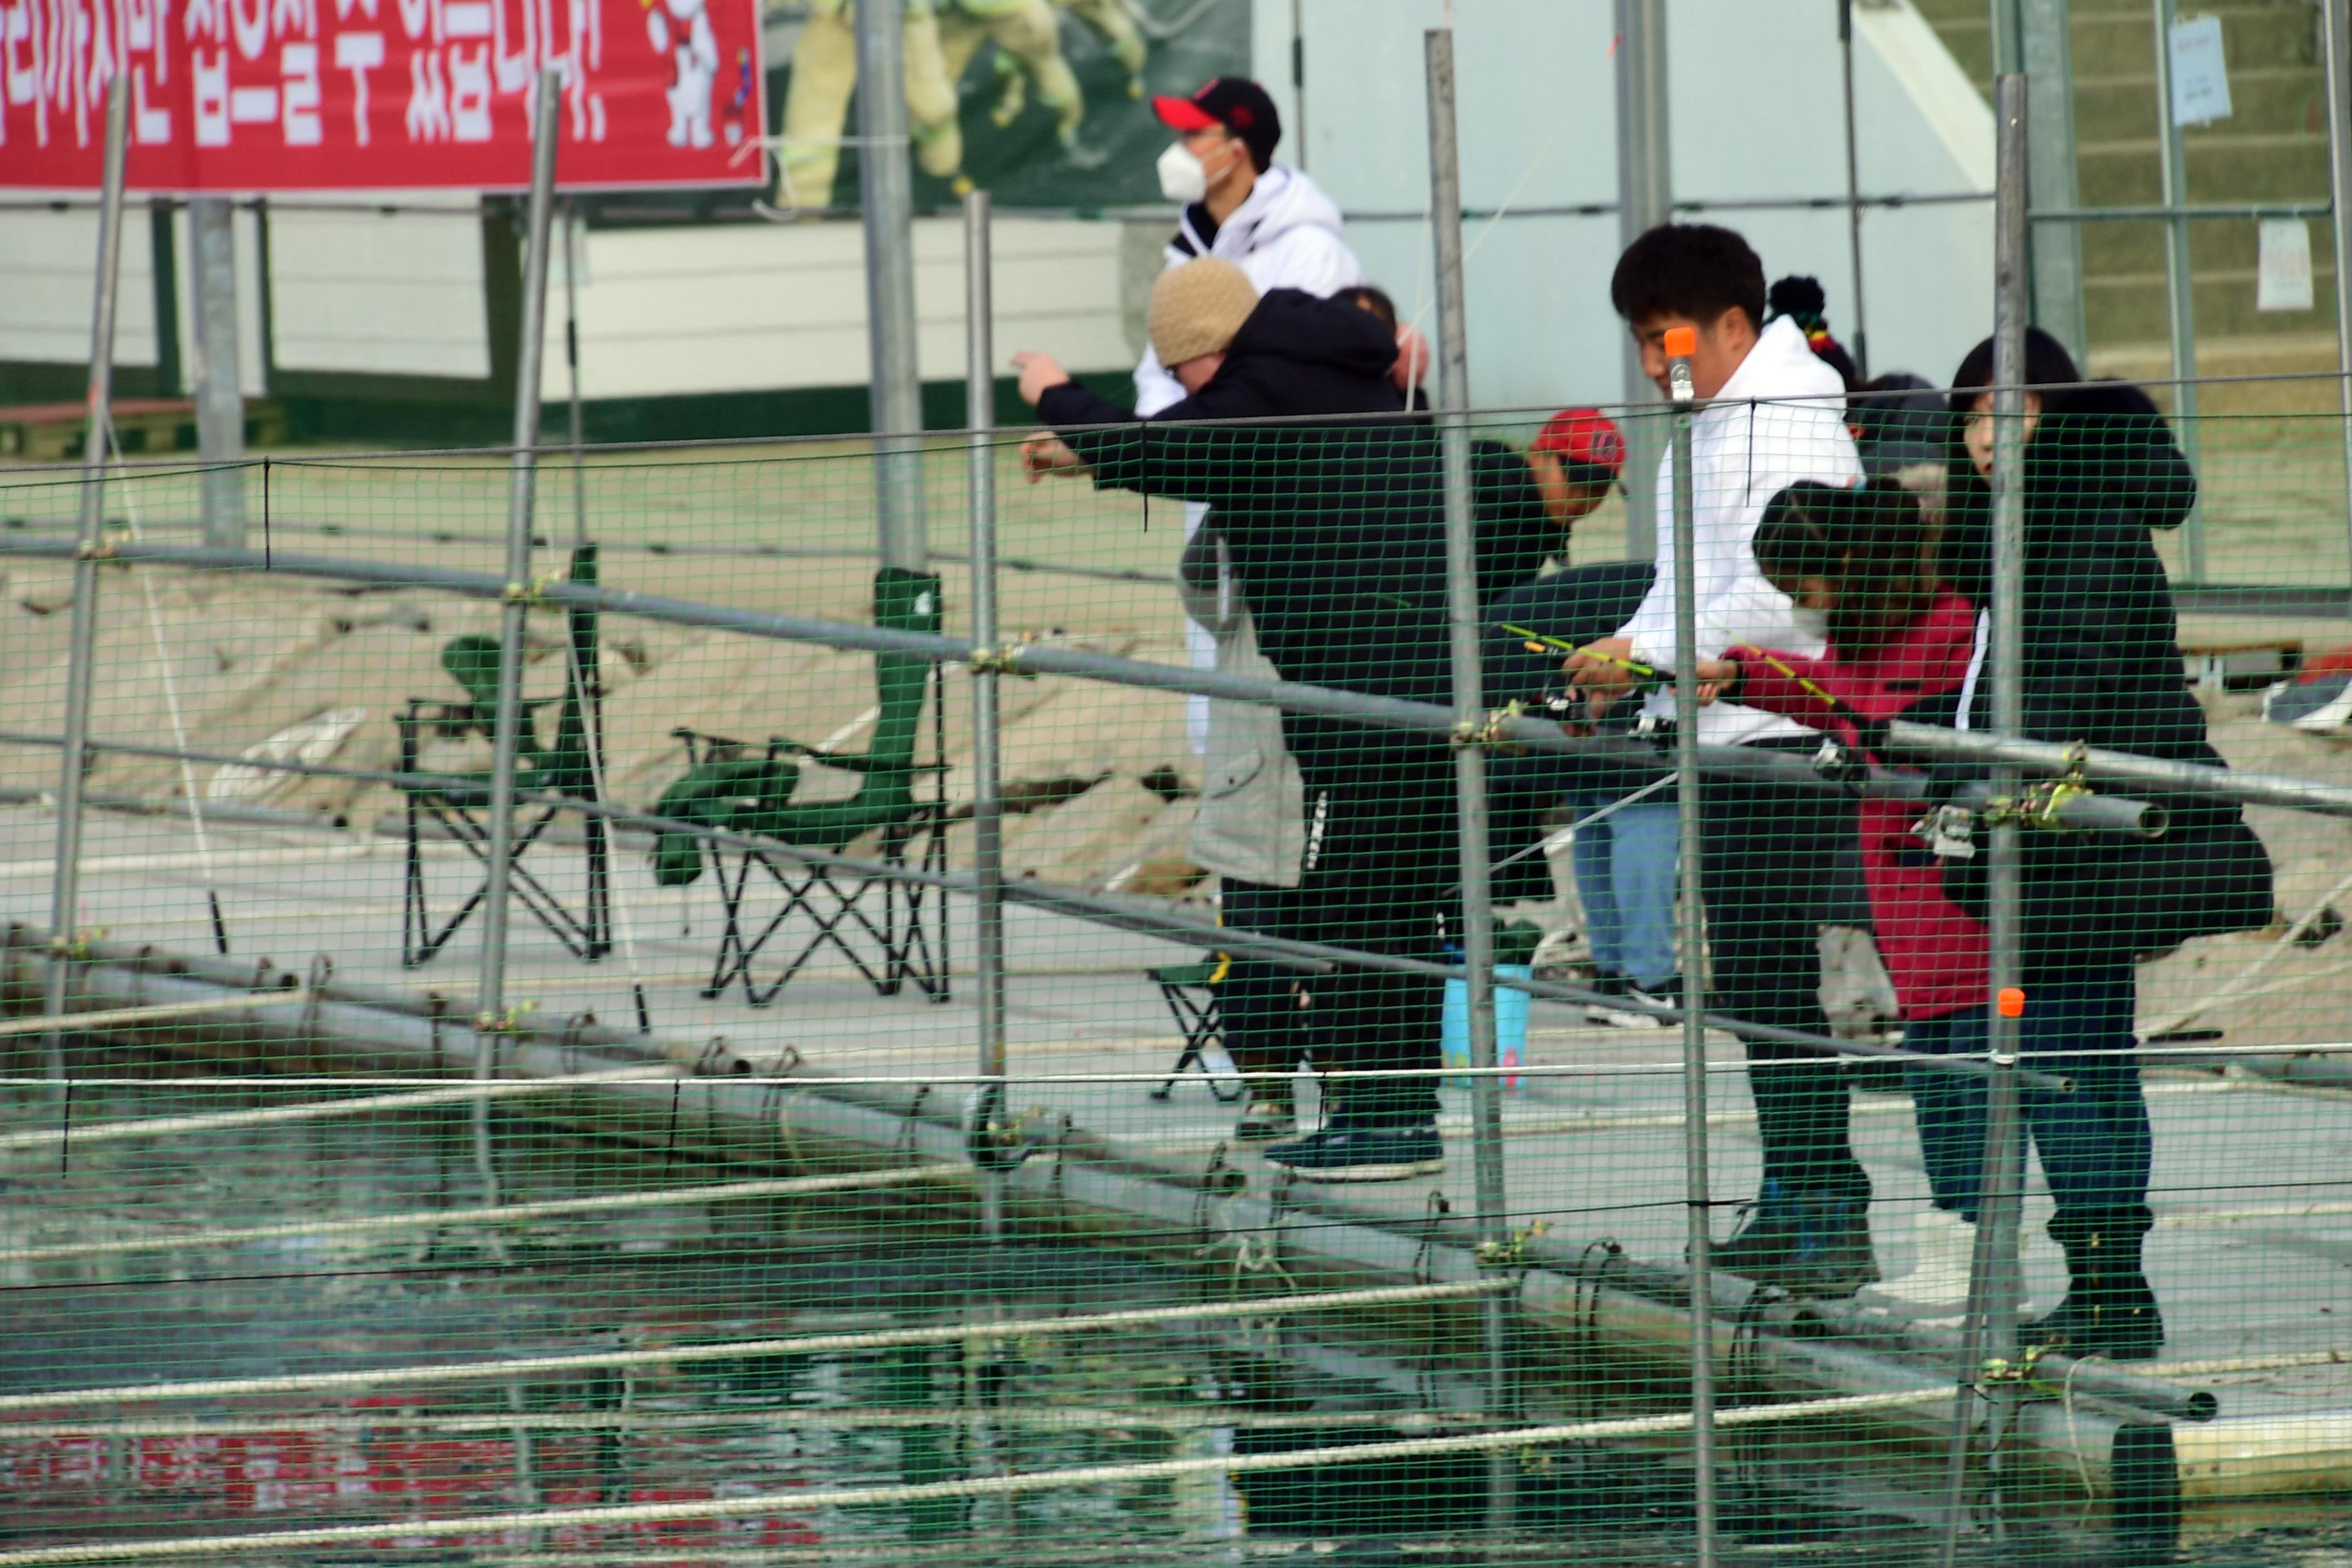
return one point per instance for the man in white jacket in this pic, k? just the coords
(1239, 205)
(1775, 415)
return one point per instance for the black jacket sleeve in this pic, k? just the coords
(1160, 455)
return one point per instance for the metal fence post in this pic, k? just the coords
(1692, 938)
(1646, 197)
(886, 194)
(1852, 188)
(987, 803)
(2338, 14)
(2180, 281)
(66, 890)
(1992, 1334)
(220, 383)
(1469, 711)
(512, 617)
(2046, 48)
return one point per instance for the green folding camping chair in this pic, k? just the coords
(731, 791)
(561, 767)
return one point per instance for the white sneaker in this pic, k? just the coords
(1944, 1250)
(1634, 997)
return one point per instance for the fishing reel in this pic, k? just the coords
(1840, 763)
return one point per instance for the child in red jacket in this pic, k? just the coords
(1896, 635)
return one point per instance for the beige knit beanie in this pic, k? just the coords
(1197, 308)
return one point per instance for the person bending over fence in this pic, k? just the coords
(1336, 533)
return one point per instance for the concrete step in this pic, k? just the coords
(2127, 172)
(2122, 42)
(2114, 248)
(2274, 99)
(2306, 353)
(2130, 305)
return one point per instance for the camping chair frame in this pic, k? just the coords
(1190, 991)
(911, 936)
(587, 935)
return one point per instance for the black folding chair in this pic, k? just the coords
(1191, 992)
(727, 788)
(461, 808)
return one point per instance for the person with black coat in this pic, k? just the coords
(1336, 532)
(2102, 668)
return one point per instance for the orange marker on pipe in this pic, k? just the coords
(1681, 343)
(2012, 1002)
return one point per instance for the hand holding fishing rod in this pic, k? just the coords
(1604, 673)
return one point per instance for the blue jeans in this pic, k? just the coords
(1625, 877)
(2095, 1143)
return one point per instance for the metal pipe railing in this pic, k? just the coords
(1503, 728)
(1141, 916)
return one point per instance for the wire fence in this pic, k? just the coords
(1238, 988)
(748, 1225)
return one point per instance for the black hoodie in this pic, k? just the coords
(2103, 668)
(1336, 525)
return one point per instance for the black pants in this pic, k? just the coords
(1257, 1004)
(1381, 874)
(1767, 857)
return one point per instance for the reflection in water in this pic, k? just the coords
(990, 1403)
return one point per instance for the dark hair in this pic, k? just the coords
(1803, 301)
(2047, 363)
(1692, 270)
(1377, 301)
(1869, 541)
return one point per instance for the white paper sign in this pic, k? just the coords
(2200, 81)
(2282, 278)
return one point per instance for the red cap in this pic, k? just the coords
(1586, 436)
(1235, 102)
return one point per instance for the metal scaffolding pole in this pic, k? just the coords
(1991, 1333)
(987, 802)
(2056, 247)
(2179, 283)
(1860, 334)
(1690, 917)
(65, 893)
(1646, 197)
(2338, 14)
(220, 386)
(1469, 709)
(520, 495)
(887, 198)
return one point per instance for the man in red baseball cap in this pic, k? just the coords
(1528, 502)
(1577, 456)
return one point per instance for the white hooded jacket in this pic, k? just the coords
(1286, 235)
(1778, 419)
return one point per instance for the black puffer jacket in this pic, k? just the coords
(1336, 527)
(2103, 667)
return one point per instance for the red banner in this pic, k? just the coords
(290, 95)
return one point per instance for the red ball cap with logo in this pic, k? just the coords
(1587, 438)
(1235, 102)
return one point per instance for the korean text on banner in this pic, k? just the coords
(287, 95)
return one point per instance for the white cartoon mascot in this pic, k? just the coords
(681, 29)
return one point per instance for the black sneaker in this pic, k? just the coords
(1341, 1152)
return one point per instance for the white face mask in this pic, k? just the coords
(1814, 624)
(1182, 180)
